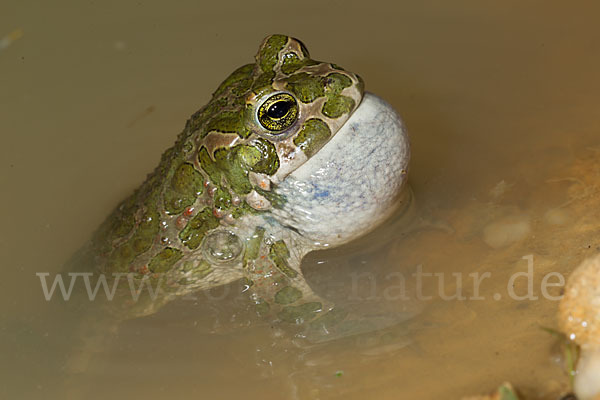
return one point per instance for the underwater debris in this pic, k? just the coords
(579, 319)
(9, 39)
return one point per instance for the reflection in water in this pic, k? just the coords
(502, 120)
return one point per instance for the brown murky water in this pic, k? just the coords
(501, 100)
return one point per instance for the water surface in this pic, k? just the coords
(501, 103)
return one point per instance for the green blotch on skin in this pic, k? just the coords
(276, 200)
(121, 257)
(186, 185)
(506, 392)
(288, 295)
(307, 88)
(280, 254)
(198, 269)
(239, 77)
(262, 307)
(234, 163)
(147, 230)
(138, 243)
(176, 203)
(186, 179)
(291, 63)
(230, 169)
(269, 161)
(202, 270)
(209, 166)
(230, 122)
(197, 227)
(222, 199)
(267, 56)
(253, 245)
(244, 209)
(313, 135)
(337, 106)
(123, 225)
(337, 82)
(248, 155)
(163, 261)
(301, 313)
(262, 83)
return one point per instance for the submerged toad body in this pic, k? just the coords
(287, 157)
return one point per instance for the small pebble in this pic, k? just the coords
(506, 231)
(556, 216)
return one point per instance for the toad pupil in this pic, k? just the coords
(279, 109)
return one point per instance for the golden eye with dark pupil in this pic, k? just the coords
(278, 112)
(279, 109)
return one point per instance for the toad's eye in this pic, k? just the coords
(278, 112)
